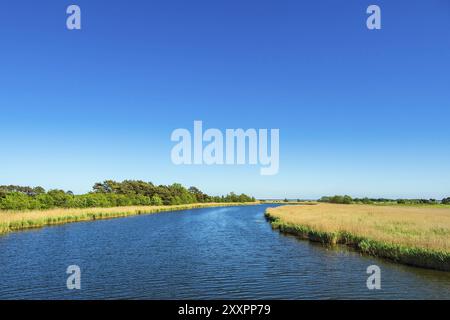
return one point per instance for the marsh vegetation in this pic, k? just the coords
(418, 236)
(20, 220)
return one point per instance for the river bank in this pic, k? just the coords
(11, 221)
(409, 235)
(206, 254)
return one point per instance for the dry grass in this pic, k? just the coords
(14, 216)
(19, 220)
(427, 228)
(417, 236)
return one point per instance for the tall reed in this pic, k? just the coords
(20, 220)
(413, 236)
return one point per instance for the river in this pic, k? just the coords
(211, 253)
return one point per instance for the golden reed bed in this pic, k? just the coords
(413, 235)
(19, 220)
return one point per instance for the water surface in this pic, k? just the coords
(211, 253)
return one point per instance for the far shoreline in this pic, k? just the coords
(13, 221)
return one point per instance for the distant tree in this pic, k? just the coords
(106, 186)
(109, 193)
(38, 190)
(60, 198)
(199, 196)
(347, 200)
(337, 199)
(325, 199)
(446, 200)
(156, 200)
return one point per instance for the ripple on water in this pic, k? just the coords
(212, 253)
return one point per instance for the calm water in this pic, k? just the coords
(215, 253)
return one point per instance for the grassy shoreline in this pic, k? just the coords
(11, 221)
(329, 226)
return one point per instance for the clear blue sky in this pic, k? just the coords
(360, 112)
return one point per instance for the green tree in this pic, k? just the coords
(156, 200)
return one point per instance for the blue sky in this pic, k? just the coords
(360, 112)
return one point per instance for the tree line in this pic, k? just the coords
(349, 200)
(109, 193)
